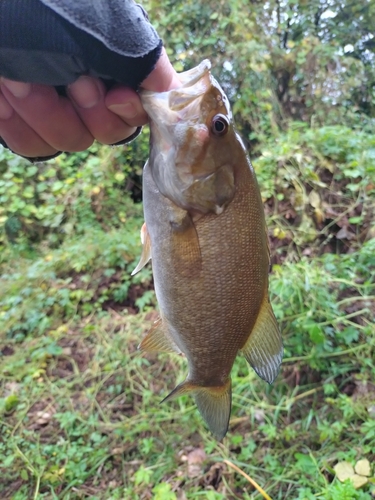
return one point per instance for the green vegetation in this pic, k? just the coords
(79, 406)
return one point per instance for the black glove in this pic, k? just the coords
(53, 42)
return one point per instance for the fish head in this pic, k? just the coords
(193, 142)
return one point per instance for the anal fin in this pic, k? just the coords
(214, 404)
(158, 339)
(264, 347)
(146, 250)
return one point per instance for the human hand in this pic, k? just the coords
(37, 122)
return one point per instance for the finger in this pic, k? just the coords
(163, 77)
(126, 103)
(51, 116)
(18, 136)
(88, 96)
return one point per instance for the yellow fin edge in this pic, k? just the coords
(214, 404)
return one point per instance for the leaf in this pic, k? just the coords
(363, 468)
(7, 461)
(163, 491)
(344, 470)
(314, 199)
(119, 176)
(305, 463)
(316, 333)
(358, 481)
(143, 476)
(24, 475)
(11, 402)
(32, 170)
(57, 186)
(344, 234)
(195, 460)
(279, 233)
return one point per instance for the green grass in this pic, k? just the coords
(80, 412)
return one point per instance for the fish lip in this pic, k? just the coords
(173, 102)
(195, 74)
(187, 78)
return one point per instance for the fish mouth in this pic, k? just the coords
(195, 83)
(168, 106)
(193, 75)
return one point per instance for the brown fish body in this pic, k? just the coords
(211, 309)
(207, 238)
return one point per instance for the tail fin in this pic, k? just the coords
(214, 404)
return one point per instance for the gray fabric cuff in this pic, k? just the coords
(119, 24)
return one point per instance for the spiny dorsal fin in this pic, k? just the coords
(264, 347)
(158, 339)
(146, 249)
(214, 404)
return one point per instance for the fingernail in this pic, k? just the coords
(6, 109)
(127, 110)
(18, 89)
(85, 92)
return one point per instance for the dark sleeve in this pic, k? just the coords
(55, 41)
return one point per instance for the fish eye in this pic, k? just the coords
(220, 124)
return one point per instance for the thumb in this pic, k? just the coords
(163, 77)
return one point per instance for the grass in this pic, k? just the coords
(80, 412)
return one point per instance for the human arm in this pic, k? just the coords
(35, 120)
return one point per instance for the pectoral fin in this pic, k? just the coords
(158, 339)
(146, 250)
(214, 404)
(185, 247)
(264, 348)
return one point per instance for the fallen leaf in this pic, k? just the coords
(43, 417)
(279, 233)
(319, 215)
(344, 470)
(11, 388)
(362, 467)
(358, 481)
(344, 234)
(214, 475)
(259, 415)
(197, 456)
(314, 199)
(195, 460)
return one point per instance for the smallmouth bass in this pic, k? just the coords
(206, 234)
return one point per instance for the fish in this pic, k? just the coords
(205, 234)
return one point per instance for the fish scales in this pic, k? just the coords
(223, 303)
(208, 245)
